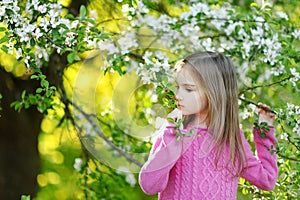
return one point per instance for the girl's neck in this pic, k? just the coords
(198, 122)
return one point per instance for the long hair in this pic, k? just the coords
(217, 75)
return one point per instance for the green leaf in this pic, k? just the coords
(171, 120)
(82, 11)
(263, 134)
(159, 89)
(71, 57)
(16, 105)
(70, 16)
(254, 5)
(245, 191)
(4, 48)
(23, 94)
(32, 99)
(44, 83)
(23, 197)
(4, 39)
(34, 77)
(77, 58)
(48, 93)
(32, 42)
(39, 90)
(2, 29)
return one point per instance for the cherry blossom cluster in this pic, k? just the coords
(155, 69)
(129, 177)
(33, 32)
(292, 115)
(218, 28)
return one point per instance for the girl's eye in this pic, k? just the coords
(189, 89)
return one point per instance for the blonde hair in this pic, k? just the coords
(216, 74)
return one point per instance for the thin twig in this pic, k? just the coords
(259, 106)
(266, 85)
(112, 19)
(286, 157)
(95, 127)
(289, 139)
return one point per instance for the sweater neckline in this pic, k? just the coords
(196, 127)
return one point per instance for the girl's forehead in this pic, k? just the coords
(185, 75)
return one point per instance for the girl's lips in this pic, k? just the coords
(179, 106)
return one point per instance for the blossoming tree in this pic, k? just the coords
(137, 48)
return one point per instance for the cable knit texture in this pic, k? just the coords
(185, 169)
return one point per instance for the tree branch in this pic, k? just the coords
(266, 85)
(99, 132)
(251, 102)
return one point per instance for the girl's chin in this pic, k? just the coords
(185, 113)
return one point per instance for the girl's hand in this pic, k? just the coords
(264, 115)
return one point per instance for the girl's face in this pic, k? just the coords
(190, 94)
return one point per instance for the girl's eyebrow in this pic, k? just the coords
(187, 84)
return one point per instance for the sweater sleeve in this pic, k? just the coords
(154, 175)
(261, 171)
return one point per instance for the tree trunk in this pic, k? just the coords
(19, 159)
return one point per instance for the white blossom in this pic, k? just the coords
(282, 15)
(37, 33)
(127, 42)
(56, 7)
(26, 61)
(257, 35)
(10, 47)
(243, 35)
(24, 37)
(42, 8)
(44, 24)
(141, 8)
(207, 44)
(64, 21)
(296, 76)
(167, 39)
(126, 8)
(74, 24)
(89, 42)
(247, 46)
(296, 34)
(272, 49)
(277, 70)
(93, 14)
(296, 129)
(78, 163)
(19, 53)
(108, 45)
(284, 136)
(129, 176)
(189, 29)
(2, 11)
(41, 53)
(70, 39)
(199, 7)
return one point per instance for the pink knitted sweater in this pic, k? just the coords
(185, 169)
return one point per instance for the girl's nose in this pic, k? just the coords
(178, 97)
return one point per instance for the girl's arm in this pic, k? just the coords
(262, 171)
(154, 175)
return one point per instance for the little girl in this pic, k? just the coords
(212, 152)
